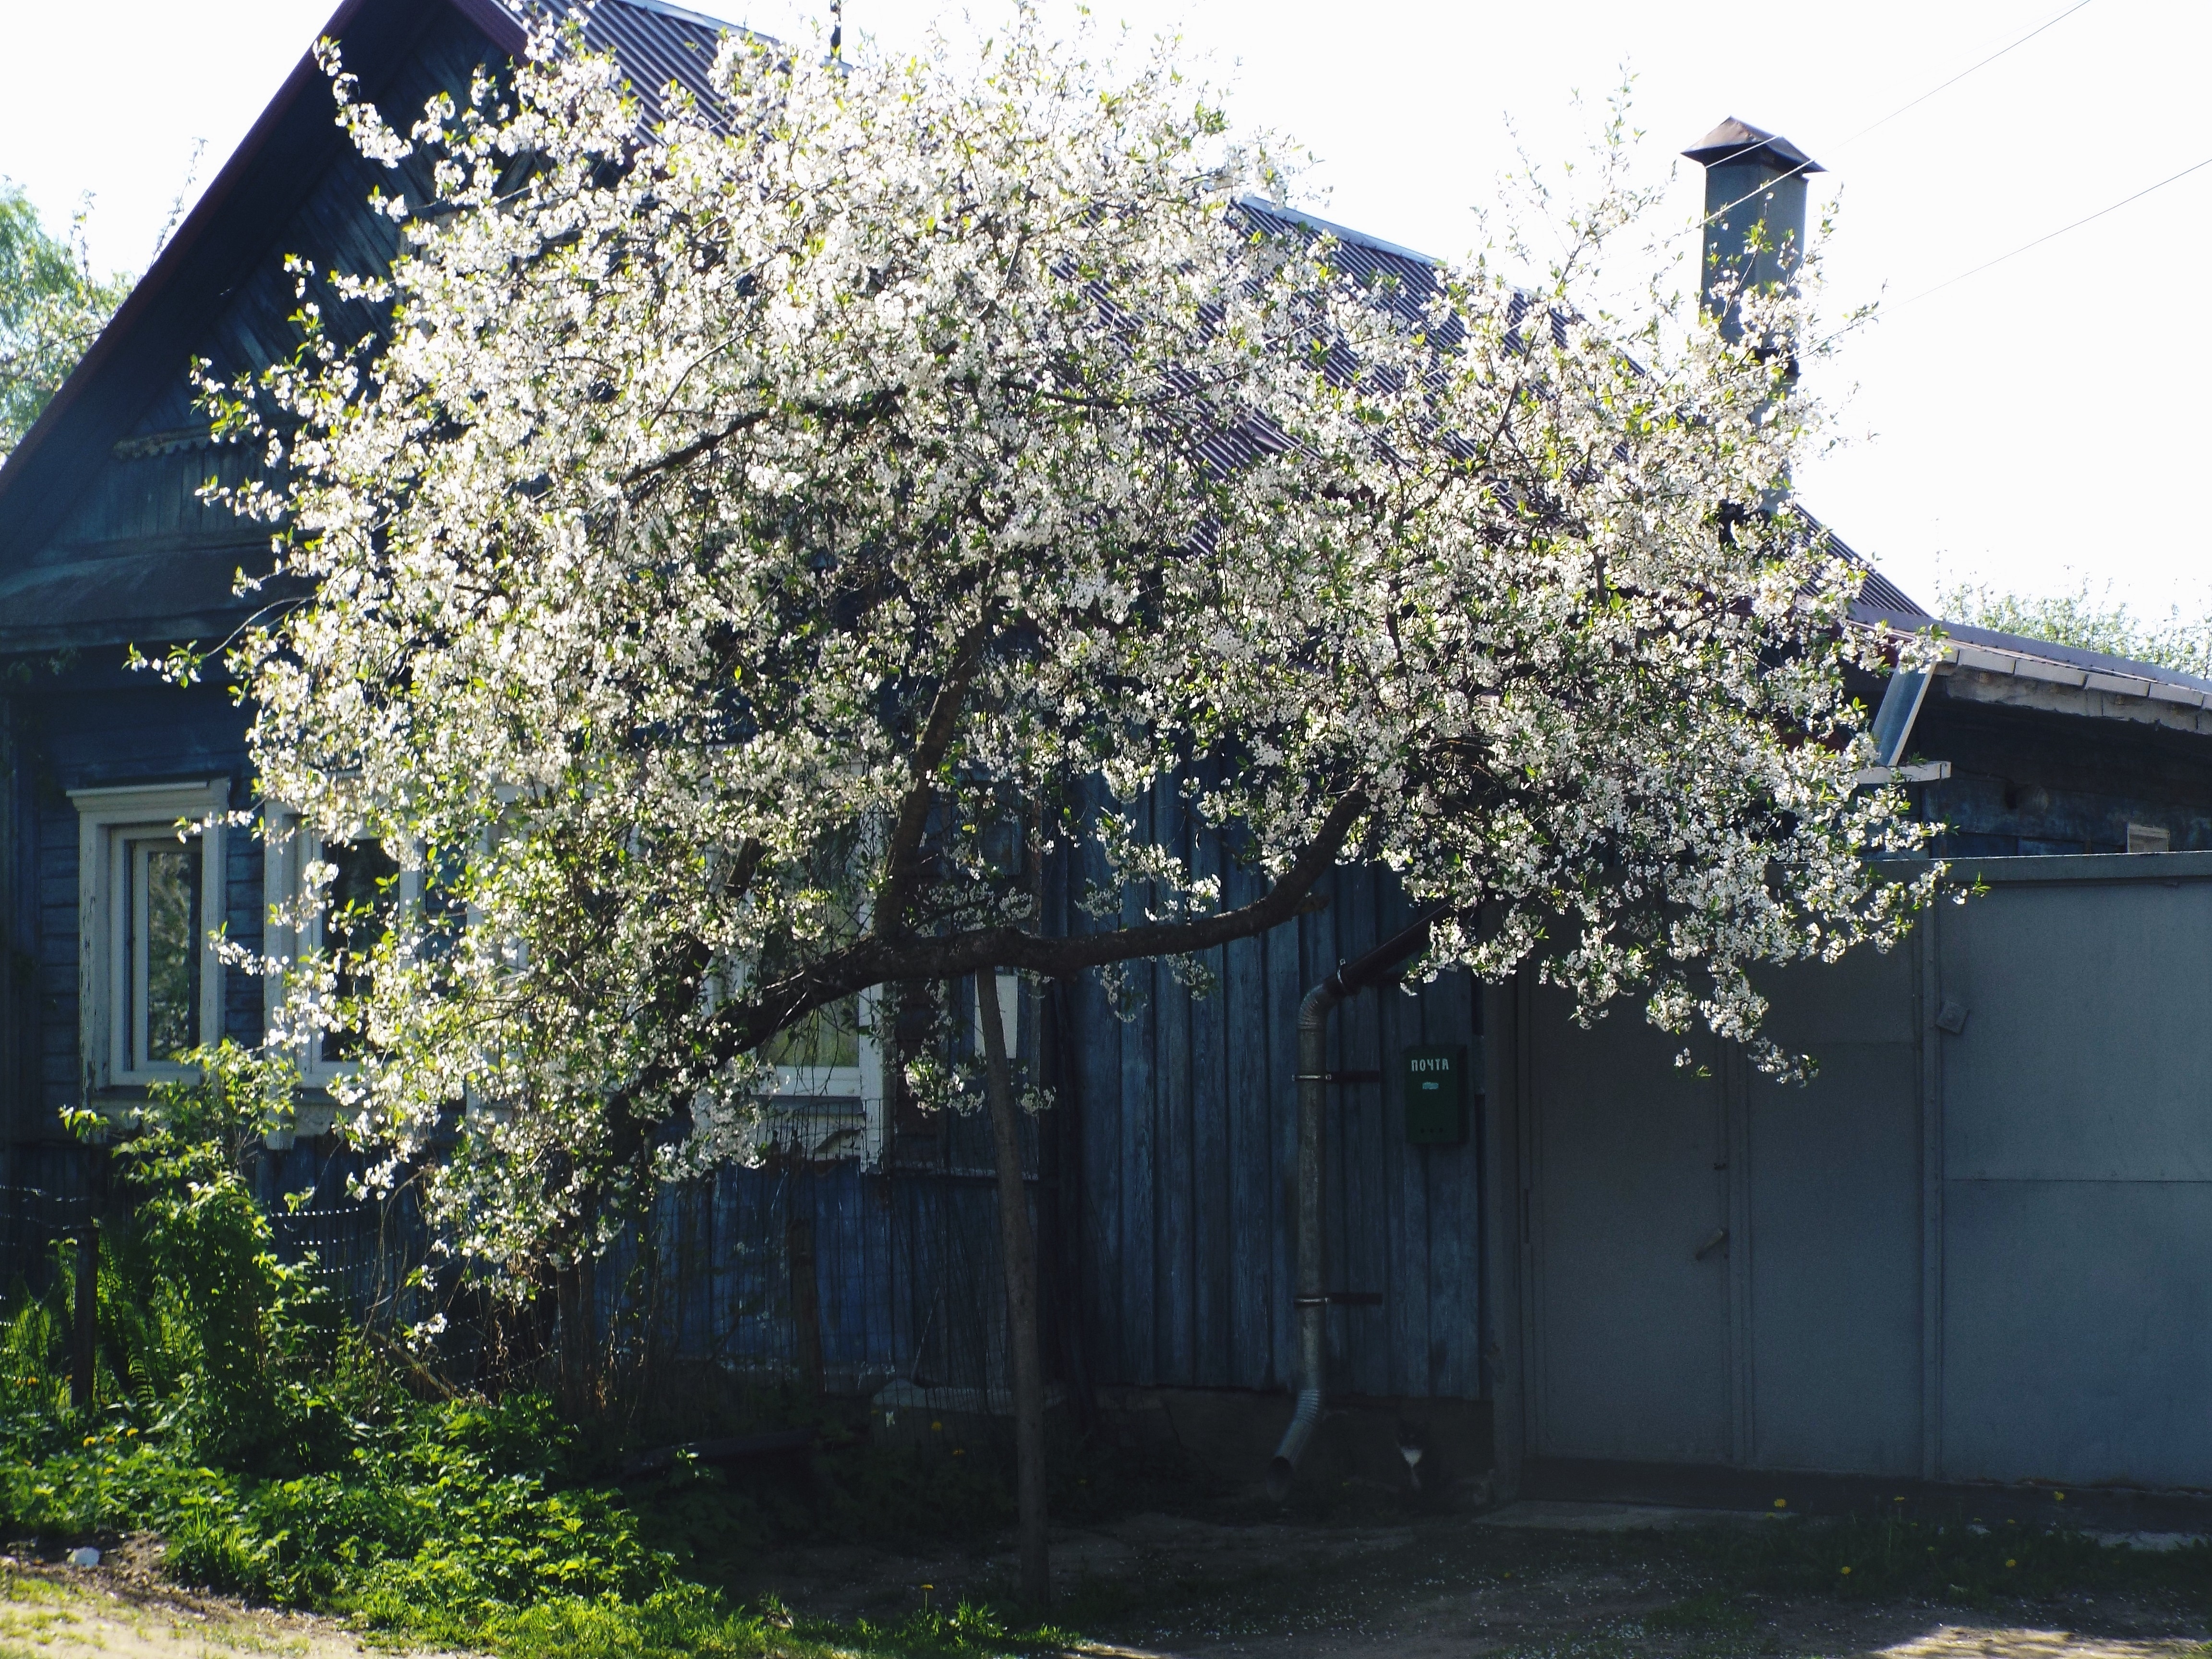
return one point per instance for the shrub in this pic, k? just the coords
(283, 1461)
(235, 1417)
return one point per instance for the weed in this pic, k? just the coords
(283, 1463)
(1710, 1613)
(1959, 1559)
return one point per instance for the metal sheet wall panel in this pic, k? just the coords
(1983, 1255)
(2077, 1189)
(1795, 1343)
(1629, 1188)
(1834, 1250)
(1834, 1261)
(2087, 1053)
(2077, 1341)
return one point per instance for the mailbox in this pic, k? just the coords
(1436, 1095)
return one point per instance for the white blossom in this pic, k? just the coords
(753, 543)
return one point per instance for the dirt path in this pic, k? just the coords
(1553, 1581)
(1585, 1581)
(1564, 1583)
(68, 1613)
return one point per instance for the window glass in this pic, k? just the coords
(363, 898)
(828, 1036)
(165, 931)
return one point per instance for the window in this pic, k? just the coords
(360, 904)
(1010, 1017)
(829, 1083)
(149, 903)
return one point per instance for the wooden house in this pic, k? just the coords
(1979, 1248)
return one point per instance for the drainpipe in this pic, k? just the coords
(1311, 1300)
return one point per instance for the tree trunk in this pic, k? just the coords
(577, 1292)
(1024, 1355)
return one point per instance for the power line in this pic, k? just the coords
(2048, 235)
(1901, 109)
(1964, 73)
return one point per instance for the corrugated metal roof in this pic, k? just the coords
(1879, 599)
(659, 45)
(2090, 662)
(1364, 256)
(1368, 259)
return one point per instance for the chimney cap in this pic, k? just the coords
(1740, 141)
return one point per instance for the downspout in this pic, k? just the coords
(1310, 1301)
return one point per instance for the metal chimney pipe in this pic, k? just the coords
(1754, 212)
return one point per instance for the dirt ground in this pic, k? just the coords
(1531, 1581)
(120, 1609)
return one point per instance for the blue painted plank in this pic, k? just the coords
(1412, 1287)
(1175, 1153)
(1359, 1218)
(1140, 1130)
(1299, 954)
(1250, 1213)
(1099, 1053)
(1453, 1191)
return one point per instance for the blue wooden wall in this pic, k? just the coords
(86, 727)
(1186, 1105)
(138, 549)
(903, 1264)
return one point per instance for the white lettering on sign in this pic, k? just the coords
(1430, 1063)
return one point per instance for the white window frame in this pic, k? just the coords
(285, 846)
(796, 1086)
(1010, 1017)
(110, 822)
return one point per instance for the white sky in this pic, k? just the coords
(2034, 425)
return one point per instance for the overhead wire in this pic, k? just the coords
(1971, 69)
(1964, 73)
(2024, 247)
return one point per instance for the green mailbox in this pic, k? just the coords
(1436, 1096)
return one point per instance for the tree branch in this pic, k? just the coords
(896, 893)
(877, 959)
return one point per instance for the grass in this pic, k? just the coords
(1709, 1612)
(43, 1616)
(679, 1622)
(1957, 1560)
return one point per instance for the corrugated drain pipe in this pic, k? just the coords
(1311, 1301)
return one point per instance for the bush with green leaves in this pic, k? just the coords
(235, 1413)
(203, 1328)
(441, 1516)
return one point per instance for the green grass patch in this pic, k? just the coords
(283, 1460)
(687, 1621)
(1957, 1560)
(1709, 1612)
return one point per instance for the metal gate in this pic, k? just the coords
(1977, 1247)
